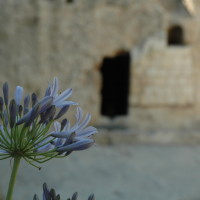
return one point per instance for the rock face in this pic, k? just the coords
(41, 39)
(164, 77)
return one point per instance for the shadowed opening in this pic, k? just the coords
(175, 35)
(69, 1)
(115, 85)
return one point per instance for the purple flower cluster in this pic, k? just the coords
(51, 195)
(24, 130)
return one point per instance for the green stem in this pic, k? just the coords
(13, 177)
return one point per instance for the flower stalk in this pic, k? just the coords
(13, 177)
(25, 128)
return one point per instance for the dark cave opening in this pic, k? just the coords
(115, 85)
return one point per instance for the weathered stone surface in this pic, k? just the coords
(164, 77)
(41, 39)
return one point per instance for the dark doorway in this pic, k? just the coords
(175, 35)
(115, 85)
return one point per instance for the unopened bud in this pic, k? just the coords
(5, 93)
(20, 109)
(35, 197)
(34, 99)
(63, 123)
(62, 112)
(75, 196)
(1, 104)
(26, 104)
(91, 197)
(13, 112)
(50, 112)
(34, 114)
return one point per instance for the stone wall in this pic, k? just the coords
(164, 77)
(40, 39)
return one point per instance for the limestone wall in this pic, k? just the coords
(40, 39)
(164, 77)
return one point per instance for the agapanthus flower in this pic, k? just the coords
(59, 100)
(50, 194)
(77, 137)
(25, 125)
(67, 138)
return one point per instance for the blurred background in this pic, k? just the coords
(134, 65)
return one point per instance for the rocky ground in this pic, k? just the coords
(115, 172)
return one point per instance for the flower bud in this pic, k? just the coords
(26, 104)
(13, 112)
(63, 110)
(58, 197)
(91, 197)
(34, 114)
(5, 115)
(34, 99)
(48, 92)
(35, 197)
(5, 93)
(46, 193)
(45, 103)
(1, 104)
(50, 112)
(18, 94)
(63, 123)
(75, 196)
(20, 109)
(53, 194)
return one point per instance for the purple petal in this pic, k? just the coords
(59, 142)
(42, 147)
(45, 148)
(26, 104)
(65, 103)
(57, 126)
(91, 197)
(63, 134)
(24, 118)
(55, 86)
(67, 126)
(45, 103)
(31, 115)
(34, 114)
(1, 129)
(74, 196)
(90, 130)
(77, 146)
(79, 114)
(5, 92)
(64, 95)
(48, 91)
(1, 104)
(46, 192)
(85, 122)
